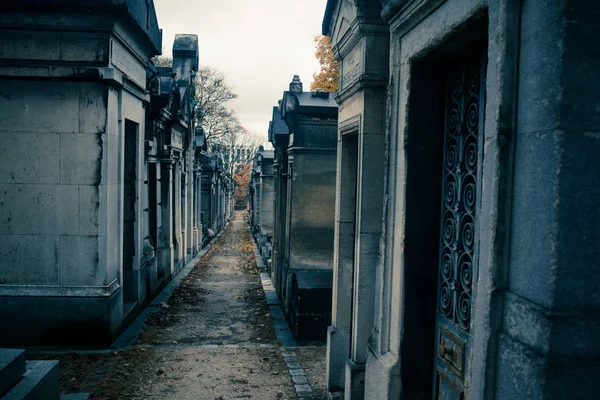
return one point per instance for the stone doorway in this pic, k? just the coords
(443, 161)
(463, 154)
(130, 174)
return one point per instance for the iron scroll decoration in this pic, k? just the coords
(459, 195)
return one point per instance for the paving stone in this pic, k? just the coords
(296, 372)
(300, 379)
(303, 390)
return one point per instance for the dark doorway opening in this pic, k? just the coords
(348, 213)
(130, 174)
(153, 209)
(428, 189)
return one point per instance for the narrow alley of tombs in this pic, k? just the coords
(213, 338)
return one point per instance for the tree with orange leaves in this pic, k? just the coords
(327, 78)
(241, 179)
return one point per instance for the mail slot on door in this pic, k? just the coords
(451, 350)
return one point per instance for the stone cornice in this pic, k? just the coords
(364, 81)
(59, 291)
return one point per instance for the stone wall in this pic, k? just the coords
(533, 123)
(80, 256)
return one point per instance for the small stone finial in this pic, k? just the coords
(296, 85)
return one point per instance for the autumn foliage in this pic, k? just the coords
(241, 179)
(327, 78)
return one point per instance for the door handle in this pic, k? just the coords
(443, 351)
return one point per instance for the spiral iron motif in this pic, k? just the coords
(446, 300)
(447, 266)
(457, 268)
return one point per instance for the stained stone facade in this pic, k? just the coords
(262, 202)
(172, 182)
(467, 205)
(305, 195)
(279, 138)
(96, 167)
(216, 196)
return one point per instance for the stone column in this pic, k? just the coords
(166, 254)
(548, 348)
(360, 193)
(177, 210)
(338, 335)
(196, 211)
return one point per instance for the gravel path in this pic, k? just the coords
(213, 339)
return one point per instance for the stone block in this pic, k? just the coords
(81, 159)
(303, 390)
(39, 209)
(47, 106)
(355, 381)
(577, 213)
(338, 350)
(371, 184)
(29, 158)
(540, 93)
(109, 249)
(111, 159)
(343, 275)
(112, 111)
(79, 262)
(382, 377)
(374, 112)
(89, 210)
(367, 257)
(29, 259)
(93, 103)
(109, 209)
(12, 366)
(520, 371)
(61, 320)
(30, 45)
(347, 175)
(297, 372)
(532, 228)
(40, 381)
(84, 47)
(300, 380)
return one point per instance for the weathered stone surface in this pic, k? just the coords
(79, 261)
(48, 107)
(19, 166)
(29, 259)
(538, 194)
(12, 367)
(51, 209)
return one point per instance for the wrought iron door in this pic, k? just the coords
(457, 268)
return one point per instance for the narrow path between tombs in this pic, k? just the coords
(213, 339)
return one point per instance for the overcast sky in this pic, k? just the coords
(258, 44)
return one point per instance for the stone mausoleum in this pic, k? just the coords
(262, 202)
(468, 196)
(305, 196)
(99, 167)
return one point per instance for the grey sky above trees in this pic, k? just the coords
(259, 45)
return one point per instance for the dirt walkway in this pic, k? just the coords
(213, 339)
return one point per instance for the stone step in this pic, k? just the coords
(12, 367)
(40, 381)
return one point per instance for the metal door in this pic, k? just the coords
(457, 268)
